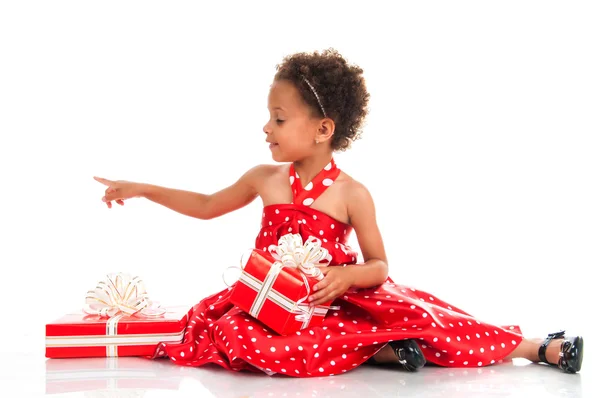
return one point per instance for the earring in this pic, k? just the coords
(316, 140)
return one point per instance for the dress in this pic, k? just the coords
(219, 332)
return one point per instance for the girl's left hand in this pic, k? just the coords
(336, 282)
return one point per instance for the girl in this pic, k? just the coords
(317, 104)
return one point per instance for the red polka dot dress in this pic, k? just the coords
(221, 333)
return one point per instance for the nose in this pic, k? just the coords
(267, 129)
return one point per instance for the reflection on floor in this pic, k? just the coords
(137, 377)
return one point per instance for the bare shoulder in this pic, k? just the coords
(262, 171)
(357, 196)
(353, 189)
(263, 176)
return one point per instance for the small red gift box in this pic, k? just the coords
(275, 292)
(81, 335)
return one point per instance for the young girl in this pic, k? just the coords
(317, 104)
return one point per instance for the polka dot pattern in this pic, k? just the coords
(308, 194)
(220, 333)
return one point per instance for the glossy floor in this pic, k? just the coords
(30, 374)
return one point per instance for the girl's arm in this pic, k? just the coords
(205, 207)
(374, 271)
(361, 211)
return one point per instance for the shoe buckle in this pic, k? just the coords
(557, 335)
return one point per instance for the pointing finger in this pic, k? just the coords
(103, 180)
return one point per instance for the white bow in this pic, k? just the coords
(120, 293)
(291, 252)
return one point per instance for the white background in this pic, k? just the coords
(480, 149)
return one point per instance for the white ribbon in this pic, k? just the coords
(291, 252)
(121, 294)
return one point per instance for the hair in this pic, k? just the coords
(341, 89)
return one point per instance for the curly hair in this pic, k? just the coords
(341, 89)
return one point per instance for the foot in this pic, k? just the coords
(409, 354)
(564, 352)
(552, 351)
(406, 352)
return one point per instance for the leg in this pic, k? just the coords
(528, 349)
(404, 352)
(556, 349)
(385, 355)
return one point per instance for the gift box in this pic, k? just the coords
(117, 320)
(274, 286)
(80, 335)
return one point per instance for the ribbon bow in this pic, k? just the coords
(121, 293)
(291, 252)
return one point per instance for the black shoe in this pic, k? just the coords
(570, 355)
(409, 354)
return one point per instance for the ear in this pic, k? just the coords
(326, 129)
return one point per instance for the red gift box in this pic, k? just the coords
(274, 293)
(83, 335)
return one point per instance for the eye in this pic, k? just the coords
(279, 121)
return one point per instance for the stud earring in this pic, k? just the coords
(316, 141)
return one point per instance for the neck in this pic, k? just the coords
(308, 168)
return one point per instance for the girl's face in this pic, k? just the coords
(291, 130)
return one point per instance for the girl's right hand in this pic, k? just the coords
(119, 191)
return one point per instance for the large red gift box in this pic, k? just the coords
(81, 335)
(271, 294)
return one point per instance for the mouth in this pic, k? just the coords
(273, 145)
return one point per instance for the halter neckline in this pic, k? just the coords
(308, 194)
